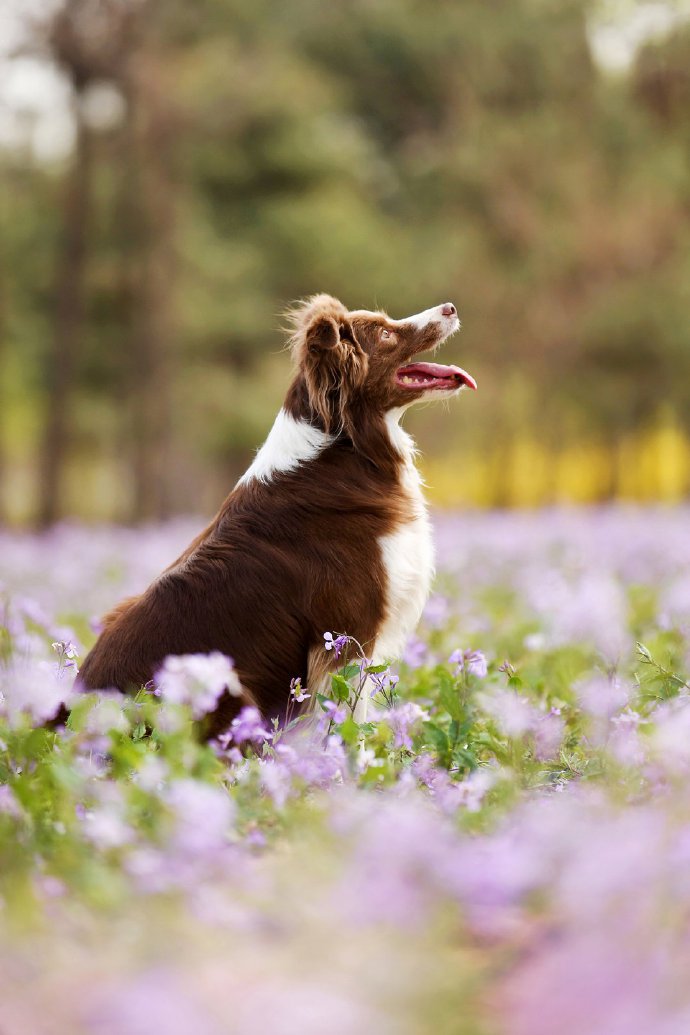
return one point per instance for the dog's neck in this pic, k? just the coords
(298, 436)
(291, 442)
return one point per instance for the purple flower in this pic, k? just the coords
(319, 764)
(384, 682)
(471, 791)
(436, 611)
(67, 653)
(513, 713)
(670, 740)
(297, 691)
(151, 1000)
(203, 816)
(548, 735)
(307, 760)
(8, 802)
(336, 643)
(472, 661)
(198, 680)
(475, 662)
(602, 696)
(394, 873)
(416, 652)
(31, 610)
(104, 715)
(33, 688)
(248, 726)
(276, 780)
(335, 712)
(106, 827)
(401, 719)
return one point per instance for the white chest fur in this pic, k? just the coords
(408, 556)
(290, 443)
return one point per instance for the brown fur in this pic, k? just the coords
(286, 560)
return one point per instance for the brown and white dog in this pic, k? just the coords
(327, 530)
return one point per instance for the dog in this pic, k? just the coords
(327, 530)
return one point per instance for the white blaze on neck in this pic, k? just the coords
(407, 553)
(395, 432)
(290, 443)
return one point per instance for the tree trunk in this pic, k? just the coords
(149, 212)
(68, 322)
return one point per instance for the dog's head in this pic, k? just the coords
(355, 365)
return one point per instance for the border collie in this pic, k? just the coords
(327, 530)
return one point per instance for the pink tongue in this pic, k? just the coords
(438, 370)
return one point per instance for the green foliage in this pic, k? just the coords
(394, 158)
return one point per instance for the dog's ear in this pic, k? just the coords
(331, 359)
(335, 367)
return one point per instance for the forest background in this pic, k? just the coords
(173, 173)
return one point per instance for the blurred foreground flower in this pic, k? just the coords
(472, 661)
(197, 680)
(402, 719)
(36, 689)
(248, 727)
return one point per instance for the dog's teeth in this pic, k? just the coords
(418, 382)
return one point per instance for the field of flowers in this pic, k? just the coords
(504, 846)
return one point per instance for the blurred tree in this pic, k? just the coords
(661, 79)
(148, 225)
(383, 150)
(87, 40)
(68, 316)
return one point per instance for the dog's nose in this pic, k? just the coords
(448, 309)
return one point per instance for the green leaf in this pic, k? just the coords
(367, 728)
(349, 730)
(463, 758)
(349, 671)
(439, 740)
(340, 687)
(376, 669)
(449, 696)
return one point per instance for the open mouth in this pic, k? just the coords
(434, 375)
